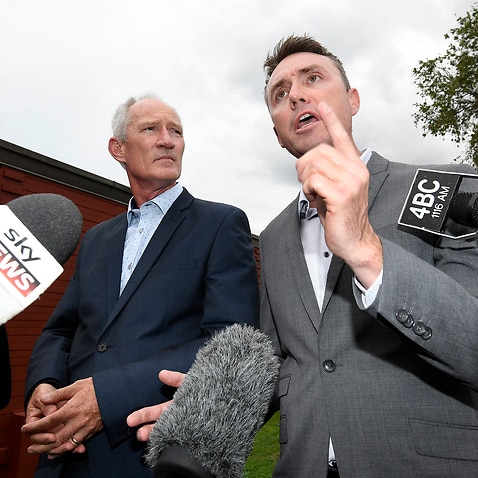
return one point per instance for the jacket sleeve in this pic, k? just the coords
(435, 306)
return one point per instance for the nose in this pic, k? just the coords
(297, 94)
(165, 139)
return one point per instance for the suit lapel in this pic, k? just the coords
(298, 267)
(114, 245)
(154, 249)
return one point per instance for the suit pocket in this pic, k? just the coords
(445, 440)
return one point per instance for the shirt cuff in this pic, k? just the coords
(370, 294)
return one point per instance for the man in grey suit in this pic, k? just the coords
(376, 326)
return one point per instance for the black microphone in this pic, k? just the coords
(434, 197)
(464, 209)
(38, 233)
(208, 431)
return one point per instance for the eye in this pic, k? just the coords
(314, 78)
(281, 94)
(177, 131)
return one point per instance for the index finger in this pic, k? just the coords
(171, 378)
(340, 137)
(146, 415)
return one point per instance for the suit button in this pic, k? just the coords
(402, 315)
(427, 334)
(102, 346)
(329, 365)
(419, 328)
(404, 318)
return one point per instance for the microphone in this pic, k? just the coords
(464, 209)
(38, 233)
(434, 197)
(208, 431)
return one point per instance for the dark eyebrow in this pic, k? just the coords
(303, 71)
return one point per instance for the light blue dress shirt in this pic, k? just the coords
(142, 224)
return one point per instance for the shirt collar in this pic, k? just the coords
(303, 208)
(163, 201)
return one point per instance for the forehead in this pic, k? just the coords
(298, 63)
(152, 109)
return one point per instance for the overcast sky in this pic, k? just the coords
(65, 67)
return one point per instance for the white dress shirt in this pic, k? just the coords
(318, 258)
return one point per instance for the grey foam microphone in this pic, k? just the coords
(53, 219)
(208, 431)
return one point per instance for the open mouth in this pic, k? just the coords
(305, 120)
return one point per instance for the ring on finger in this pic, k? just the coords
(75, 441)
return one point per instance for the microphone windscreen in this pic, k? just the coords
(464, 209)
(219, 408)
(53, 219)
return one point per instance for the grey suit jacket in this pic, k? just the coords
(395, 402)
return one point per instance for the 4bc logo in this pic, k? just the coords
(429, 199)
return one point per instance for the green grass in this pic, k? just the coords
(265, 451)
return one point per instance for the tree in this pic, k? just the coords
(449, 86)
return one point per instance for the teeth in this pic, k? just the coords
(305, 117)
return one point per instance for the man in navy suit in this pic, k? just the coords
(150, 286)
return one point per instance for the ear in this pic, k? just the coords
(278, 137)
(354, 100)
(116, 149)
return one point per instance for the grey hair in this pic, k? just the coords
(121, 117)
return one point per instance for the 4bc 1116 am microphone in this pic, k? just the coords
(434, 197)
(208, 431)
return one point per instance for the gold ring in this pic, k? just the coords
(74, 441)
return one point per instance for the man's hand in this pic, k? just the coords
(335, 180)
(145, 417)
(61, 420)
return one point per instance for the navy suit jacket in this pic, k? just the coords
(196, 276)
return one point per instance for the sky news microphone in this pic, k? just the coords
(38, 233)
(208, 431)
(435, 196)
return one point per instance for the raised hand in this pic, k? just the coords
(335, 180)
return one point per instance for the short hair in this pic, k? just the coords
(121, 117)
(298, 44)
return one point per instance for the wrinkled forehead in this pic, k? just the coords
(298, 64)
(152, 108)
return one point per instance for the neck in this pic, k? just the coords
(143, 196)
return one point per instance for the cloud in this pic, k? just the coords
(66, 66)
